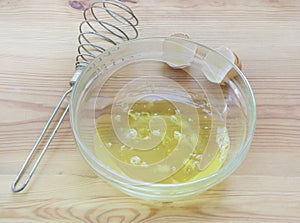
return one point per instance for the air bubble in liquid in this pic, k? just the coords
(108, 145)
(144, 164)
(118, 118)
(123, 147)
(156, 132)
(177, 134)
(197, 165)
(199, 157)
(135, 160)
(132, 133)
(173, 117)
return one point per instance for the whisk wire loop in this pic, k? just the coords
(42, 152)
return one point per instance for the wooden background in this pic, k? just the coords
(38, 42)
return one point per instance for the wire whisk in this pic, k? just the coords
(116, 24)
(106, 23)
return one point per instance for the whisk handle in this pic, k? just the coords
(15, 187)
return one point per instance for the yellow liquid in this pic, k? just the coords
(140, 115)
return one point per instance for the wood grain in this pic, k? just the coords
(38, 42)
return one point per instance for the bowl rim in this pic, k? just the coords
(114, 176)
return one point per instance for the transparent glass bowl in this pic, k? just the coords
(173, 69)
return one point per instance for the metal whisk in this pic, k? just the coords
(106, 23)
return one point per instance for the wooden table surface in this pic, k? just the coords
(38, 43)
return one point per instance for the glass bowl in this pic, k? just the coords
(155, 118)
